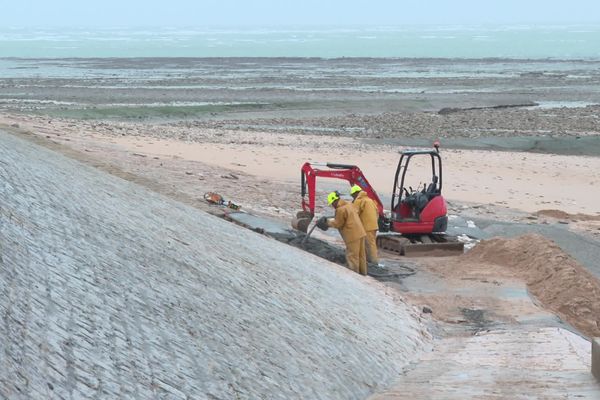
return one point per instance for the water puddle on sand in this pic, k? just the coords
(543, 105)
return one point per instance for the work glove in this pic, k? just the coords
(322, 223)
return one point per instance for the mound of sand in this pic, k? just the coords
(559, 282)
(109, 290)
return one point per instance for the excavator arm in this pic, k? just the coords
(350, 173)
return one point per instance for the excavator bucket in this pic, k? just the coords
(302, 221)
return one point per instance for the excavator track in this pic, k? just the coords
(421, 245)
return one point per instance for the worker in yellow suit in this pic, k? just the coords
(369, 215)
(348, 223)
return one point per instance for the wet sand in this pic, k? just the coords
(355, 97)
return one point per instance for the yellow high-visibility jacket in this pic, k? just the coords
(367, 211)
(347, 222)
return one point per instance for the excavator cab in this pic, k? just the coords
(420, 210)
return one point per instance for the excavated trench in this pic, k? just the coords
(392, 272)
(389, 273)
(312, 245)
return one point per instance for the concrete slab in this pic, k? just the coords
(544, 363)
(269, 226)
(495, 343)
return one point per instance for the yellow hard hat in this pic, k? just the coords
(331, 197)
(355, 189)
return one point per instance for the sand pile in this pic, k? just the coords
(110, 290)
(555, 278)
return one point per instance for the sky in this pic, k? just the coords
(257, 13)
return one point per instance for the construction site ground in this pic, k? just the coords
(492, 335)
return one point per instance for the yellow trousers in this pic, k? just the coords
(356, 256)
(371, 245)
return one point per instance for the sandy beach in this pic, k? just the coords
(524, 181)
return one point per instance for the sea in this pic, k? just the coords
(54, 68)
(472, 42)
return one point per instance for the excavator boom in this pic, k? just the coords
(350, 173)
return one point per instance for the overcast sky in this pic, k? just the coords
(201, 13)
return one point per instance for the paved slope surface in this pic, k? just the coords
(108, 290)
(542, 363)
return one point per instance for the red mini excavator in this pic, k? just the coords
(417, 221)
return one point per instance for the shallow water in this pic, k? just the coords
(457, 41)
(177, 82)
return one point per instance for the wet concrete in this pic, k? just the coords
(394, 271)
(283, 233)
(476, 317)
(315, 246)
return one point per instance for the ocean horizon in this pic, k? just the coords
(562, 42)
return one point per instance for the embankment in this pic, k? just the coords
(110, 290)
